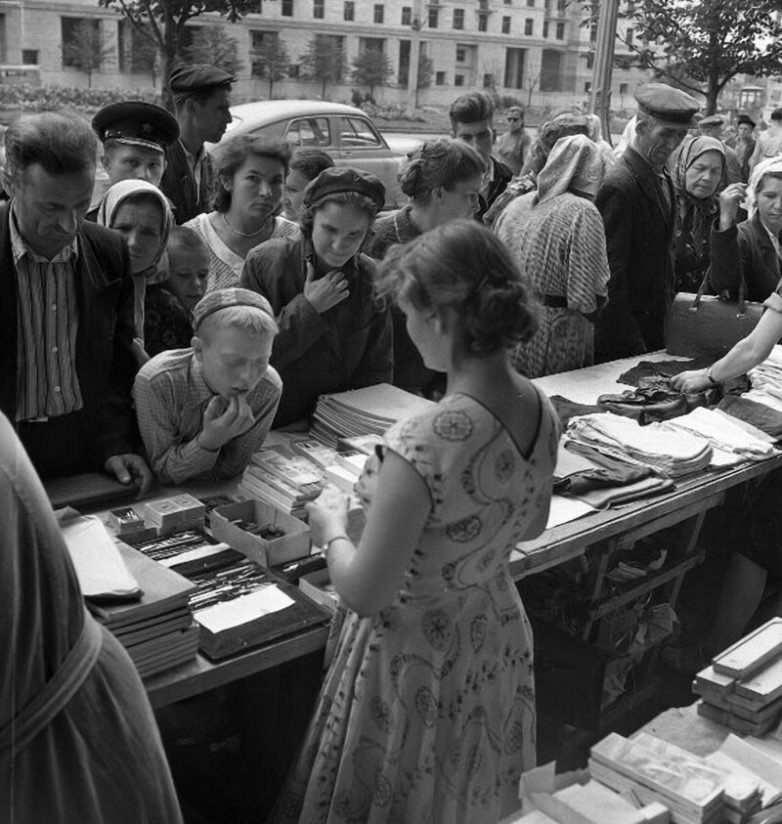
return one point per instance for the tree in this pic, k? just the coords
(213, 45)
(87, 48)
(703, 44)
(425, 74)
(144, 55)
(270, 60)
(163, 21)
(371, 67)
(324, 60)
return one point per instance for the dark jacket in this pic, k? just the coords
(347, 347)
(744, 251)
(105, 364)
(179, 186)
(639, 238)
(502, 176)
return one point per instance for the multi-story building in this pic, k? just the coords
(535, 50)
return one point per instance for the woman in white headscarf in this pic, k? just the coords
(556, 235)
(746, 257)
(142, 214)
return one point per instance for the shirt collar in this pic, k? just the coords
(193, 159)
(349, 268)
(774, 240)
(20, 248)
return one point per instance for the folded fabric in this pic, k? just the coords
(670, 452)
(613, 496)
(576, 473)
(760, 415)
(567, 409)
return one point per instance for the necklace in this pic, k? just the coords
(244, 234)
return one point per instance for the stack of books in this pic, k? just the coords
(282, 478)
(368, 411)
(592, 803)
(742, 689)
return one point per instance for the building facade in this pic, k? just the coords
(537, 51)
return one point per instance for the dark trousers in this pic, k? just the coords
(58, 446)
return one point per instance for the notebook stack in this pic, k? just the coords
(368, 411)
(742, 689)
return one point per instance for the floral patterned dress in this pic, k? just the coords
(427, 713)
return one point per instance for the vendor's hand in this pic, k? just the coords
(730, 198)
(127, 468)
(694, 380)
(224, 421)
(325, 292)
(327, 515)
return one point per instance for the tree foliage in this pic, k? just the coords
(87, 48)
(371, 67)
(213, 45)
(701, 45)
(425, 72)
(270, 60)
(324, 60)
(163, 21)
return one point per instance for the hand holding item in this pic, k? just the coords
(325, 292)
(694, 380)
(327, 515)
(730, 200)
(224, 421)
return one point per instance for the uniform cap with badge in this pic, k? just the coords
(136, 123)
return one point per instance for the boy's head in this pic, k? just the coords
(188, 266)
(234, 332)
(471, 117)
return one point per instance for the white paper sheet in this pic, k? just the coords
(264, 601)
(564, 509)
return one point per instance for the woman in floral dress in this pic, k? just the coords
(427, 713)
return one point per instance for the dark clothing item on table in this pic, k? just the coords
(744, 251)
(567, 409)
(104, 361)
(78, 740)
(661, 369)
(178, 183)
(637, 209)
(167, 324)
(347, 347)
(763, 417)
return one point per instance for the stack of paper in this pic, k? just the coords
(367, 411)
(742, 689)
(175, 513)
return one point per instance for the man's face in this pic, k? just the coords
(130, 162)
(515, 122)
(50, 208)
(657, 139)
(213, 115)
(233, 359)
(479, 135)
(745, 130)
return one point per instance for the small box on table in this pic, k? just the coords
(230, 524)
(317, 586)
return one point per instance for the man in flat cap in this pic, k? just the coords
(202, 97)
(711, 126)
(745, 143)
(637, 201)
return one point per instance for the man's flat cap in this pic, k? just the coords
(199, 77)
(712, 120)
(136, 123)
(666, 103)
(745, 118)
(342, 179)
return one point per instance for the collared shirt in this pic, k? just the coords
(196, 164)
(171, 396)
(774, 240)
(48, 322)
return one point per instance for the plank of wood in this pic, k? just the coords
(752, 652)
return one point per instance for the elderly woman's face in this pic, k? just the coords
(703, 175)
(769, 201)
(256, 187)
(338, 231)
(141, 224)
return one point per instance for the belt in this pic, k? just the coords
(57, 692)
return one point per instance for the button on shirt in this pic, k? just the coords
(171, 396)
(47, 317)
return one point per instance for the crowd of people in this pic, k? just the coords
(208, 297)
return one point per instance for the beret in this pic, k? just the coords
(666, 103)
(199, 77)
(136, 123)
(342, 179)
(225, 298)
(712, 120)
(745, 118)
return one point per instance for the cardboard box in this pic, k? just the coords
(294, 544)
(314, 584)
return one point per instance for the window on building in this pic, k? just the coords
(560, 31)
(514, 68)
(551, 71)
(318, 9)
(562, 6)
(407, 15)
(380, 13)
(349, 11)
(71, 31)
(133, 49)
(458, 80)
(376, 44)
(630, 36)
(30, 57)
(287, 8)
(3, 50)
(434, 18)
(488, 80)
(588, 87)
(506, 25)
(293, 71)
(507, 2)
(458, 18)
(439, 78)
(531, 3)
(623, 88)
(545, 29)
(461, 54)
(529, 27)
(590, 60)
(483, 22)
(404, 63)
(483, 5)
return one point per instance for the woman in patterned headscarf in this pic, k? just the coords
(557, 237)
(698, 168)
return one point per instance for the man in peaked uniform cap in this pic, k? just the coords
(202, 100)
(637, 203)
